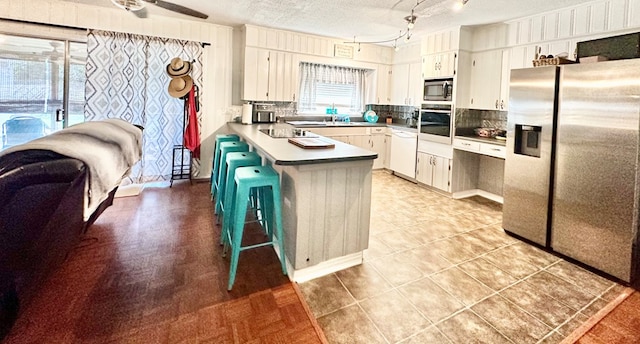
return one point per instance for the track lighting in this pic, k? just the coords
(411, 22)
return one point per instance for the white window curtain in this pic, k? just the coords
(320, 82)
(126, 78)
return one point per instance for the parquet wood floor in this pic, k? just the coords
(621, 325)
(150, 270)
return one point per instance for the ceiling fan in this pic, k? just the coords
(137, 7)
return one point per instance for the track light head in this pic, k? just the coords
(411, 20)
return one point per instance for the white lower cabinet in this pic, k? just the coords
(497, 151)
(387, 151)
(434, 171)
(374, 143)
(378, 145)
(341, 138)
(373, 139)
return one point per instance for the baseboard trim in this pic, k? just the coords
(321, 269)
(129, 190)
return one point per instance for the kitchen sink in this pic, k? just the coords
(307, 123)
(326, 124)
(345, 123)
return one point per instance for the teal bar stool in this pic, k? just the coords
(267, 181)
(233, 161)
(216, 160)
(226, 148)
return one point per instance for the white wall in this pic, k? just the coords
(216, 91)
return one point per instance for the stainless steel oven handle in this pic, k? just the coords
(436, 111)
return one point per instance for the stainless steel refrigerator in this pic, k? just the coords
(571, 170)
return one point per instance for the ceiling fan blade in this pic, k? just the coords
(178, 8)
(142, 14)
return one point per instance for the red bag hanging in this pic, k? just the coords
(191, 134)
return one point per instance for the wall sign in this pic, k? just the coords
(343, 51)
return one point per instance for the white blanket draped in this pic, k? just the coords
(109, 148)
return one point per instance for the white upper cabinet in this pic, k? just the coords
(383, 85)
(406, 84)
(439, 65)
(256, 74)
(490, 72)
(416, 84)
(505, 76)
(283, 76)
(439, 54)
(486, 79)
(270, 75)
(489, 69)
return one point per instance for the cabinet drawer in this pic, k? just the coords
(466, 145)
(378, 130)
(493, 150)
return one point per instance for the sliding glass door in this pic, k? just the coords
(42, 83)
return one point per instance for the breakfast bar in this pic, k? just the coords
(326, 197)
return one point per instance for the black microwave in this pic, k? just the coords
(438, 90)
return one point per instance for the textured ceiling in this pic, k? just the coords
(367, 20)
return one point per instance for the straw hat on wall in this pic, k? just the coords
(178, 67)
(179, 87)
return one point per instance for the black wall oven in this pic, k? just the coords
(438, 90)
(435, 122)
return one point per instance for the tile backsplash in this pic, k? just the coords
(282, 109)
(397, 112)
(471, 118)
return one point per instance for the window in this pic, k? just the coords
(34, 87)
(325, 86)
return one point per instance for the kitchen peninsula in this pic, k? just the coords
(326, 199)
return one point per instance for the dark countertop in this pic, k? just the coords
(482, 139)
(284, 153)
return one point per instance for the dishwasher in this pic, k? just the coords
(403, 152)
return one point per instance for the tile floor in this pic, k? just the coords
(440, 270)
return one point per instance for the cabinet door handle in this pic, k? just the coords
(496, 103)
(502, 105)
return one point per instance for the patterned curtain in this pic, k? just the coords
(126, 79)
(308, 76)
